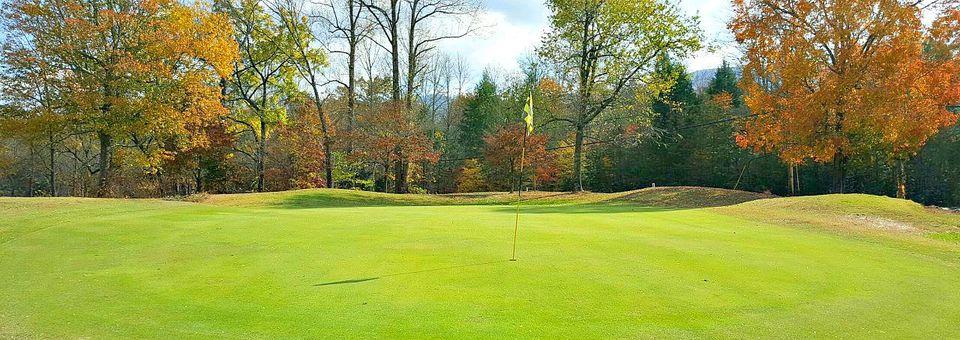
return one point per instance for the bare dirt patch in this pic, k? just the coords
(881, 223)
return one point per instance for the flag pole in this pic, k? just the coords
(516, 223)
(527, 129)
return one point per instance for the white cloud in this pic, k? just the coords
(515, 28)
(498, 45)
(714, 16)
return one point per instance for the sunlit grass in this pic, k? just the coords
(346, 264)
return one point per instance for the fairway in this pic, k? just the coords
(343, 264)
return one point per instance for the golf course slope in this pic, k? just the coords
(652, 263)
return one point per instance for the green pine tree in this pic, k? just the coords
(479, 116)
(725, 81)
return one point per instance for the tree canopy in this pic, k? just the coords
(829, 80)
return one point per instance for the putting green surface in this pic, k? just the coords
(301, 264)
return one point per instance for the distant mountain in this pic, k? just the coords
(702, 78)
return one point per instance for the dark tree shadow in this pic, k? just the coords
(596, 208)
(346, 282)
(354, 281)
(323, 199)
(643, 200)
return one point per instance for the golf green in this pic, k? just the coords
(834, 266)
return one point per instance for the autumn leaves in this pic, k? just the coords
(834, 79)
(138, 72)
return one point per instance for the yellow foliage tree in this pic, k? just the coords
(141, 73)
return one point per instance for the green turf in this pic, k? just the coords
(344, 265)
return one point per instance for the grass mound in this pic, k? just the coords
(663, 197)
(848, 212)
(876, 212)
(688, 197)
(859, 215)
(339, 198)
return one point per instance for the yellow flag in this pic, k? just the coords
(529, 111)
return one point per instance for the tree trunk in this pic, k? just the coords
(400, 176)
(198, 175)
(327, 141)
(839, 159)
(901, 181)
(791, 180)
(578, 159)
(405, 174)
(105, 164)
(328, 161)
(160, 190)
(839, 172)
(796, 176)
(394, 22)
(386, 176)
(351, 75)
(261, 155)
(53, 167)
(411, 60)
(395, 49)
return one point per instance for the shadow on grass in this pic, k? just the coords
(341, 200)
(346, 282)
(355, 281)
(594, 208)
(532, 206)
(644, 200)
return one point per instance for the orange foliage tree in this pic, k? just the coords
(502, 157)
(298, 151)
(387, 135)
(131, 72)
(828, 80)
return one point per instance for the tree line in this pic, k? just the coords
(146, 98)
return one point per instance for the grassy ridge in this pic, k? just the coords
(338, 198)
(848, 212)
(591, 265)
(667, 197)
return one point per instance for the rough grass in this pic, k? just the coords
(850, 210)
(670, 262)
(687, 197)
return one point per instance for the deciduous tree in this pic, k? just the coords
(833, 79)
(346, 22)
(389, 137)
(502, 158)
(298, 152)
(607, 47)
(136, 72)
(428, 23)
(262, 79)
(309, 62)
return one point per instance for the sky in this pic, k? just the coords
(513, 28)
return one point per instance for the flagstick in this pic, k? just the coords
(516, 224)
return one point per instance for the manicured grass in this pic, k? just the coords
(345, 264)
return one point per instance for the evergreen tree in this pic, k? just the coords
(671, 107)
(725, 81)
(674, 110)
(478, 117)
